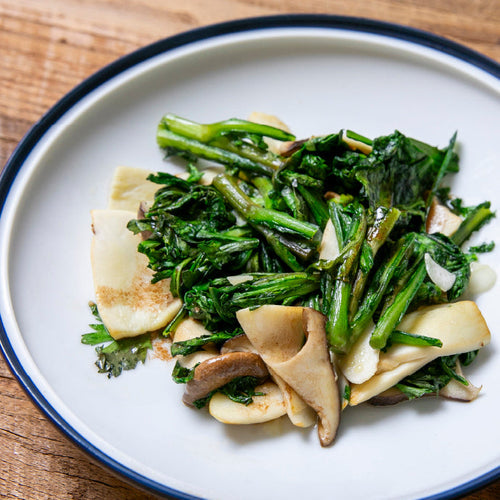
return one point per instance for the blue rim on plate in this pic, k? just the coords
(36, 133)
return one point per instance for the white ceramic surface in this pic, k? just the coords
(317, 81)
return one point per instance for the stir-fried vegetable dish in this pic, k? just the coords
(291, 277)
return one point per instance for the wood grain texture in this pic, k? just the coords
(49, 46)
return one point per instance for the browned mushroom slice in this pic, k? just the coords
(220, 370)
(457, 391)
(239, 343)
(453, 390)
(299, 413)
(389, 397)
(441, 219)
(292, 342)
(288, 148)
(461, 328)
(128, 302)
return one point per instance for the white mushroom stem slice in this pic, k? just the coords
(129, 304)
(240, 343)
(129, 187)
(329, 246)
(188, 329)
(361, 362)
(299, 413)
(274, 145)
(460, 327)
(292, 342)
(191, 360)
(440, 276)
(453, 390)
(264, 408)
(441, 219)
(220, 370)
(459, 392)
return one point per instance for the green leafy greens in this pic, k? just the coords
(253, 236)
(114, 356)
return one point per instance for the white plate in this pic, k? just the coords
(319, 74)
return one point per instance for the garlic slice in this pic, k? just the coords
(238, 279)
(438, 274)
(329, 246)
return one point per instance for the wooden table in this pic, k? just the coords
(46, 48)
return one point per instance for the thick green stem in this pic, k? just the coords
(168, 139)
(473, 222)
(206, 132)
(395, 311)
(337, 325)
(376, 236)
(265, 187)
(248, 151)
(280, 249)
(274, 289)
(377, 291)
(316, 205)
(255, 214)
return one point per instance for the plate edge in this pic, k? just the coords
(38, 130)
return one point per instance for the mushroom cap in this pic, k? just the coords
(218, 371)
(292, 342)
(299, 412)
(239, 343)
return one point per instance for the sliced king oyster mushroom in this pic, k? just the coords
(188, 329)
(220, 370)
(461, 328)
(130, 187)
(292, 342)
(269, 406)
(299, 413)
(274, 145)
(129, 304)
(441, 219)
